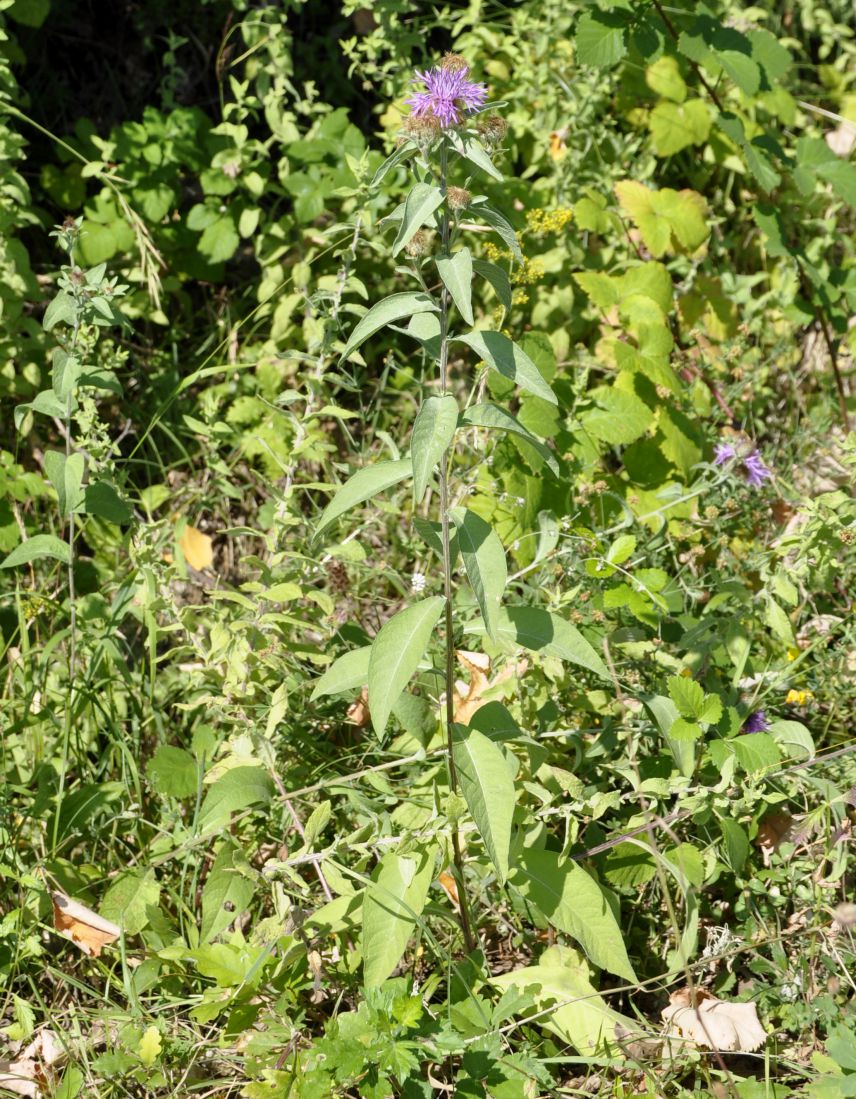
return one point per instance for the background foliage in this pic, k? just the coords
(176, 415)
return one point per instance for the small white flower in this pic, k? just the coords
(418, 581)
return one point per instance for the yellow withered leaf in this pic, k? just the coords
(197, 548)
(81, 925)
(709, 1023)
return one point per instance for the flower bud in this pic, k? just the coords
(492, 128)
(417, 243)
(458, 198)
(453, 62)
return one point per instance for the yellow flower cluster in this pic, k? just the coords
(548, 221)
(531, 270)
(494, 253)
(798, 698)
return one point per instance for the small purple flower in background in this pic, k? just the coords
(449, 93)
(756, 722)
(756, 472)
(724, 453)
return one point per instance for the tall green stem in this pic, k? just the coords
(466, 923)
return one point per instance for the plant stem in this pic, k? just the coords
(466, 924)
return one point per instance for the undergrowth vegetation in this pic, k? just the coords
(427, 549)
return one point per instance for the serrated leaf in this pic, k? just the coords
(484, 560)
(419, 206)
(620, 419)
(600, 39)
(489, 791)
(675, 126)
(349, 671)
(150, 1046)
(227, 892)
(393, 308)
(574, 903)
(456, 271)
(509, 360)
(173, 771)
(396, 652)
(127, 899)
(687, 695)
(391, 905)
(237, 789)
(361, 486)
(433, 431)
(40, 545)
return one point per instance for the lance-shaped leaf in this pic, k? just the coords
(473, 151)
(495, 418)
(484, 560)
(574, 903)
(488, 789)
(537, 629)
(402, 153)
(433, 430)
(349, 671)
(394, 308)
(362, 486)
(456, 271)
(498, 279)
(419, 206)
(499, 222)
(503, 355)
(65, 473)
(391, 905)
(40, 545)
(396, 651)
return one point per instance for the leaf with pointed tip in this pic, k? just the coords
(349, 671)
(433, 430)
(456, 271)
(500, 223)
(396, 651)
(394, 308)
(484, 560)
(473, 151)
(364, 484)
(537, 629)
(402, 153)
(488, 789)
(419, 206)
(506, 358)
(494, 417)
(391, 905)
(40, 545)
(498, 279)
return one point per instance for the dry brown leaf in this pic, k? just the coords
(450, 887)
(775, 829)
(358, 712)
(197, 548)
(468, 697)
(26, 1074)
(81, 925)
(19, 1077)
(712, 1023)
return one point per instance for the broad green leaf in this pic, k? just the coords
(419, 206)
(396, 651)
(736, 844)
(500, 223)
(394, 308)
(65, 473)
(497, 278)
(361, 486)
(173, 771)
(59, 311)
(433, 431)
(578, 1015)
(493, 417)
(66, 370)
(687, 695)
(101, 498)
(620, 418)
(40, 545)
(537, 629)
(472, 150)
(509, 360)
(456, 271)
(667, 219)
(237, 789)
(600, 38)
(573, 902)
(675, 126)
(227, 892)
(127, 899)
(755, 751)
(664, 78)
(484, 560)
(219, 240)
(349, 671)
(793, 738)
(48, 404)
(391, 905)
(665, 714)
(489, 791)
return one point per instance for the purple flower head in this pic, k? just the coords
(724, 453)
(756, 722)
(756, 472)
(449, 94)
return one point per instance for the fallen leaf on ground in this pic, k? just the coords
(358, 712)
(712, 1023)
(197, 548)
(469, 697)
(450, 887)
(26, 1074)
(81, 925)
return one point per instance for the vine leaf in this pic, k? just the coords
(396, 651)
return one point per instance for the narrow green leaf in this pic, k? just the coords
(489, 791)
(65, 473)
(40, 545)
(537, 629)
(573, 902)
(500, 224)
(433, 431)
(484, 560)
(394, 308)
(456, 271)
(391, 905)
(509, 360)
(493, 417)
(402, 153)
(396, 651)
(349, 671)
(497, 278)
(419, 206)
(472, 150)
(364, 484)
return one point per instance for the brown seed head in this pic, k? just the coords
(459, 198)
(453, 62)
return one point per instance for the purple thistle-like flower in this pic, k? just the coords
(724, 453)
(449, 94)
(756, 722)
(756, 472)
